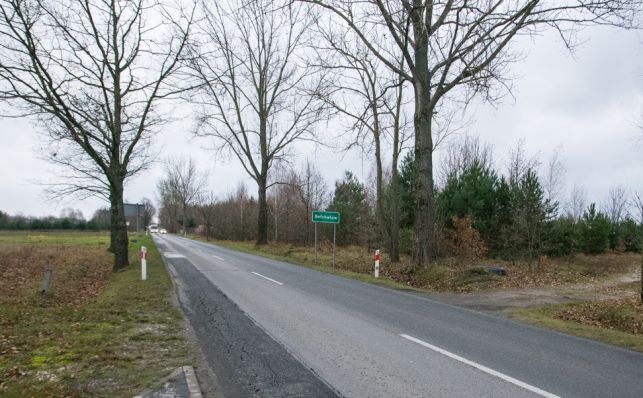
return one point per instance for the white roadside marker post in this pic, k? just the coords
(377, 263)
(143, 263)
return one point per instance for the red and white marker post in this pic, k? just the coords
(143, 256)
(377, 258)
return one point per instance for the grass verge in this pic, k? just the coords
(305, 257)
(117, 337)
(449, 274)
(617, 322)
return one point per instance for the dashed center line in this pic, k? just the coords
(270, 279)
(173, 255)
(218, 258)
(482, 368)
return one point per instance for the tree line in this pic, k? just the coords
(515, 212)
(68, 220)
(262, 75)
(73, 219)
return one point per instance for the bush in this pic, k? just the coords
(561, 237)
(596, 228)
(631, 235)
(462, 241)
(470, 195)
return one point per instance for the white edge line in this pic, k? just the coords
(481, 367)
(218, 258)
(270, 279)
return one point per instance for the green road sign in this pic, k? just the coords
(329, 217)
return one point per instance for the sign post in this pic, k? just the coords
(326, 217)
(143, 256)
(377, 257)
(334, 234)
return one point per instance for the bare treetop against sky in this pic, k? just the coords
(589, 104)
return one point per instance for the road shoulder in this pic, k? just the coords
(245, 359)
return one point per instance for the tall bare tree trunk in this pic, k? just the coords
(308, 216)
(185, 210)
(424, 250)
(118, 229)
(382, 219)
(262, 222)
(394, 238)
(394, 202)
(424, 239)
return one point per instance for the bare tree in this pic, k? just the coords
(292, 200)
(312, 191)
(616, 205)
(519, 164)
(72, 214)
(462, 154)
(370, 97)
(242, 202)
(206, 208)
(637, 207)
(257, 95)
(101, 217)
(185, 183)
(149, 211)
(169, 206)
(577, 202)
(284, 207)
(92, 75)
(455, 50)
(554, 177)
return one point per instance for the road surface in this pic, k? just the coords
(331, 335)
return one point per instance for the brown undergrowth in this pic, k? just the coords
(625, 314)
(456, 274)
(79, 274)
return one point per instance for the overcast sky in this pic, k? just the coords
(589, 104)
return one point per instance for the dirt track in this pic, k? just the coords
(503, 301)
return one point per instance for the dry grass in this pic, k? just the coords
(79, 274)
(453, 275)
(625, 315)
(95, 333)
(618, 322)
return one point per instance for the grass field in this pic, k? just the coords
(95, 333)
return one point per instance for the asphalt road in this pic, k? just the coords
(363, 340)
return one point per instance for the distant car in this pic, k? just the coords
(162, 231)
(153, 228)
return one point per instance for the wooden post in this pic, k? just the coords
(334, 245)
(46, 281)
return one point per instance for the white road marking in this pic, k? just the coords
(218, 258)
(481, 367)
(270, 279)
(172, 255)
